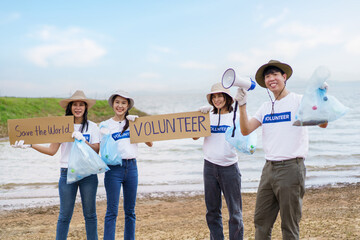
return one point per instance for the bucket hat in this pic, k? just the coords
(218, 88)
(77, 96)
(123, 94)
(259, 76)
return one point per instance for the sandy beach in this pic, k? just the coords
(328, 213)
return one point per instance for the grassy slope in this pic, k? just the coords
(15, 108)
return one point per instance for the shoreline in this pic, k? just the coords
(329, 212)
(33, 201)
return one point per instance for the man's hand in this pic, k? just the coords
(241, 96)
(325, 86)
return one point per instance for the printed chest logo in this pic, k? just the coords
(218, 129)
(116, 136)
(277, 117)
(87, 137)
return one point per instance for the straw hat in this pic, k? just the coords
(77, 96)
(218, 88)
(260, 72)
(123, 94)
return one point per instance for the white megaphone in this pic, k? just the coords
(230, 79)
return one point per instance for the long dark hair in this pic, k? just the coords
(127, 112)
(228, 102)
(84, 123)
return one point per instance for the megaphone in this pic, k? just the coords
(230, 79)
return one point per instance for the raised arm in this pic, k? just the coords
(247, 126)
(49, 150)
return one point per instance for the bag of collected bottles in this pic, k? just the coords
(244, 144)
(83, 162)
(317, 106)
(108, 150)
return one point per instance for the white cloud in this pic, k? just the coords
(274, 20)
(196, 65)
(291, 40)
(287, 48)
(162, 49)
(149, 75)
(238, 57)
(312, 36)
(64, 48)
(353, 45)
(20, 88)
(6, 19)
(153, 58)
(246, 63)
(147, 86)
(157, 53)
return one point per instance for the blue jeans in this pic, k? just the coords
(219, 179)
(88, 187)
(127, 175)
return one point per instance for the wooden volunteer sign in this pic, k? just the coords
(41, 130)
(170, 126)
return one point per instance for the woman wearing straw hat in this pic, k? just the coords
(221, 171)
(282, 183)
(77, 105)
(126, 173)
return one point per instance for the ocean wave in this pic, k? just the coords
(170, 195)
(333, 167)
(175, 182)
(8, 186)
(343, 156)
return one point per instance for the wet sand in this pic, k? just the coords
(328, 213)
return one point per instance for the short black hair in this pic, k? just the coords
(272, 69)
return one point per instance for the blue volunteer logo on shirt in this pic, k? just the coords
(116, 136)
(87, 137)
(277, 117)
(218, 129)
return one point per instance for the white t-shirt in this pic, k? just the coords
(92, 135)
(128, 150)
(281, 140)
(216, 149)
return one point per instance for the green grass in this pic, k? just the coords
(15, 108)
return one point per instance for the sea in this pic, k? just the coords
(174, 167)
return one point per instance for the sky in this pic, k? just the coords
(53, 48)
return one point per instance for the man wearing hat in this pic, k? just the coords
(282, 183)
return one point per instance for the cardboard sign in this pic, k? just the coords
(170, 126)
(41, 130)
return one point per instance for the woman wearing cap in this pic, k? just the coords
(77, 105)
(282, 183)
(221, 171)
(125, 174)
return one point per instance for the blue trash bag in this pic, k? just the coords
(317, 106)
(108, 150)
(244, 144)
(83, 162)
